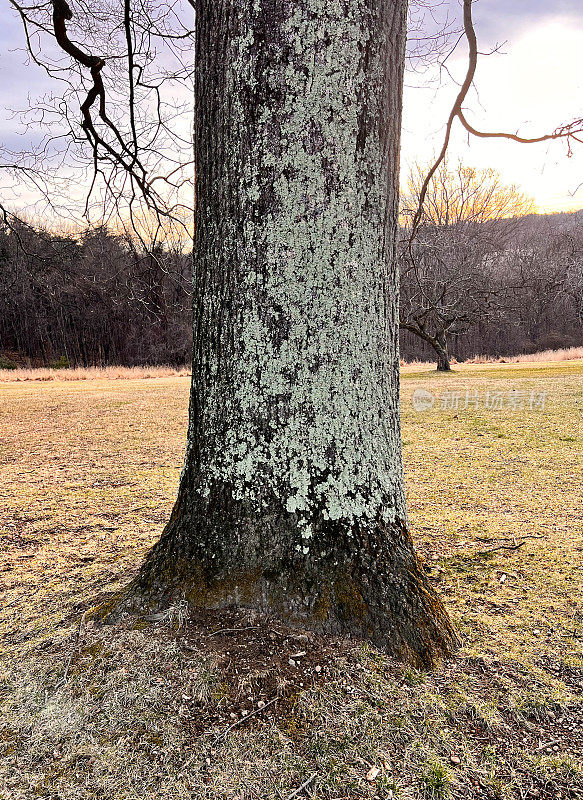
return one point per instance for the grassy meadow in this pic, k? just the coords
(239, 707)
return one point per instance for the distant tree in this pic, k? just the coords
(543, 275)
(450, 280)
(574, 283)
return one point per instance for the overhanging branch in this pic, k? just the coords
(570, 131)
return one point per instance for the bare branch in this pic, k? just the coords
(570, 131)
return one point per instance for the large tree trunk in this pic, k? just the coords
(291, 498)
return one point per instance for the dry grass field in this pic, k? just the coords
(24, 374)
(172, 709)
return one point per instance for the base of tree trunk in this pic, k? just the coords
(443, 365)
(364, 583)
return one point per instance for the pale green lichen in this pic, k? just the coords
(316, 267)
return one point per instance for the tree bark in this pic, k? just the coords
(440, 346)
(291, 498)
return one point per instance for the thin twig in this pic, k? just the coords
(234, 630)
(547, 744)
(301, 788)
(230, 728)
(513, 538)
(501, 547)
(80, 628)
(65, 673)
(569, 131)
(243, 719)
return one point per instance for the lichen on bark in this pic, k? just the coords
(291, 496)
(316, 352)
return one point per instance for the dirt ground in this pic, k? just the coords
(236, 706)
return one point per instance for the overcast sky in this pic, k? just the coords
(532, 86)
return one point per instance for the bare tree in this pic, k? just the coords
(291, 499)
(97, 297)
(120, 119)
(569, 132)
(574, 283)
(449, 274)
(543, 278)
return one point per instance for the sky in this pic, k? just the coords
(531, 85)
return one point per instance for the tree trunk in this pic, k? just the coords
(291, 499)
(440, 346)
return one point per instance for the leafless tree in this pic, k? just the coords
(449, 273)
(291, 498)
(120, 118)
(542, 272)
(96, 297)
(570, 132)
(119, 121)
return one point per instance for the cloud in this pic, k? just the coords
(504, 20)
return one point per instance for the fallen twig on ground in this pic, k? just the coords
(243, 719)
(513, 538)
(547, 744)
(301, 788)
(516, 546)
(234, 630)
(65, 673)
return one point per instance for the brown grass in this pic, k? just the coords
(91, 373)
(566, 354)
(88, 474)
(164, 371)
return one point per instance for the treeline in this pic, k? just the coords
(492, 288)
(96, 299)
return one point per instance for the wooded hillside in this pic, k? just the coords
(100, 299)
